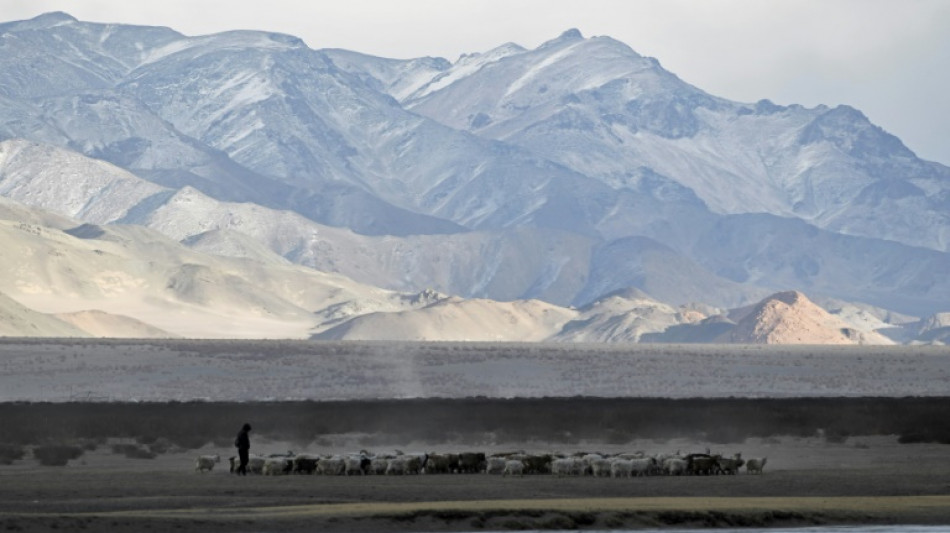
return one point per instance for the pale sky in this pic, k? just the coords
(888, 58)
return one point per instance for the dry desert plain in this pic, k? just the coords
(821, 470)
(863, 480)
(242, 370)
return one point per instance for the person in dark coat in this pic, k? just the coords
(243, 443)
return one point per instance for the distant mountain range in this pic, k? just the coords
(519, 181)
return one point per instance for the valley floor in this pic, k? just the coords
(864, 480)
(61, 370)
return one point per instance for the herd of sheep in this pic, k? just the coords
(507, 464)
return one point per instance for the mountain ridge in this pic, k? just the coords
(562, 173)
(65, 278)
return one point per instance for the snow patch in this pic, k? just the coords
(538, 68)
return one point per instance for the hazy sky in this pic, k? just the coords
(888, 58)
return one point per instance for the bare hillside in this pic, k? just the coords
(791, 318)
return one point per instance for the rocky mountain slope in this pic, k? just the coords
(791, 318)
(563, 174)
(119, 280)
(64, 278)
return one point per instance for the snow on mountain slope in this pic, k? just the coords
(66, 182)
(564, 173)
(504, 264)
(294, 116)
(192, 48)
(284, 111)
(101, 110)
(509, 78)
(397, 77)
(19, 116)
(122, 130)
(465, 66)
(54, 54)
(596, 106)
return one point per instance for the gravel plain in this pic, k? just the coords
(216, 370)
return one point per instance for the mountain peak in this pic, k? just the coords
(853, 133)
(40, 22)
(53, 18)
(572, 34)
(568, 36)
(790, 298)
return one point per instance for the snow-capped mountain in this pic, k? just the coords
(563, 173)
(506, 264)
(596, 106)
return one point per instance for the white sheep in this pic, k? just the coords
(513, 467)
(568, 466)
(397, 466)
(621, 468)
(643, 466)
(354, 464)
(205, 463)
(755, 466)
(277, 466)
(255, 464)
(379, 464)
(600, 468)
(332, 466)
(675, 466)
(495, 465)
(588, 461)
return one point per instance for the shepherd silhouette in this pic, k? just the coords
(243, 443)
